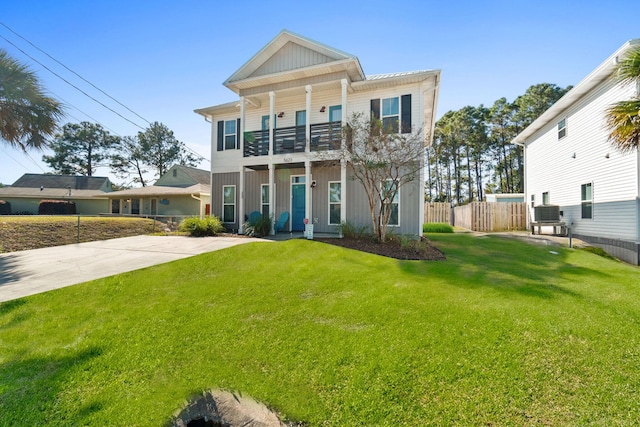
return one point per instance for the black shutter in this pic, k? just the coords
(221, 135)
(238, 134)
(375, 109)
(405, 109)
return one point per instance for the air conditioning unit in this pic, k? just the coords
(547, 213)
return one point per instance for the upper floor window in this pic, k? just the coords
(228, 135)
(390, 114)
(230, 131)
(562, 128)
(393, 113)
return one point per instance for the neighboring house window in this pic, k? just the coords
(228, 203)
(533, 200)
(562, 128)
(586, 196)
(392, 202)
(335, 201)
(545, 198)
(115, 206)
(230, 135)
(264, 199)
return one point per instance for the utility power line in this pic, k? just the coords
(69, 83)
(87, 81)
(83, 92)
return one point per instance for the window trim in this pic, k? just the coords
(585, 202)
(262, 202)
(397, 196)
(330, 203)
(229, 204)
(562, 128)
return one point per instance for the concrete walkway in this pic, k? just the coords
(39, 270)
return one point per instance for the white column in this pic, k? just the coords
(272, 112)
(242, 125)
(308, 190)
(214, 144)
(344, 110)
(240, 197)
(307, 130)
(272, 197)
(343, 190)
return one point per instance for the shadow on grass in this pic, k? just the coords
(33, 385)
(503, 264)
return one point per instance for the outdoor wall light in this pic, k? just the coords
(573, 156)
(322, 109)
(281, 115)
(606, 156)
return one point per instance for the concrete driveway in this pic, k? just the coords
(39, 270)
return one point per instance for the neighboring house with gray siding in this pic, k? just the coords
(89, 193)
(569, 162)
(274, 149)
(181, 191)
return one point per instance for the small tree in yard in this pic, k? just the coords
(383, 161)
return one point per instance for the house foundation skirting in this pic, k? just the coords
(623, 249)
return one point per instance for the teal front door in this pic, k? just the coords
(298, 201)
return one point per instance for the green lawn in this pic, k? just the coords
(502, 333)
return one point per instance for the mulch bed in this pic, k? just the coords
(391, 248)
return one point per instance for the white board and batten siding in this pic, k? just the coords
(561, 166)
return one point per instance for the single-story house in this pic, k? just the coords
(181, 191)
(570, 163)
(89, 193)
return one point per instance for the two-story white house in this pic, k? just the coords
(569, 162)
(271, 150)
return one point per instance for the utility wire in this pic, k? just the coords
(69, 83)
(80, 90)
(87, 81)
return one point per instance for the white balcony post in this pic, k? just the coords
(242, 125)
(272, 112)
(344, 101)
(307, 130)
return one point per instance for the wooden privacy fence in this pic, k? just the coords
(491, 216)
(437, 212)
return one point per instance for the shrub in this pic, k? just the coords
(353, 231)
(56, 207)
(261, 227)
(5, 207)
(437, 227)
(196, 227)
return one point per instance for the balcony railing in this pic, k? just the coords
(324, 136)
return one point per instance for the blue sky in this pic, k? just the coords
(163, 59)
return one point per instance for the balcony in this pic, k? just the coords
(324, 136)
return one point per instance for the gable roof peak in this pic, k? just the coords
(323, 54)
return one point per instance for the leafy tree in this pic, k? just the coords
(27, 116)
(80, 149)
(160, 149)
(623, 118)
(127, 162)
(383, 162)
